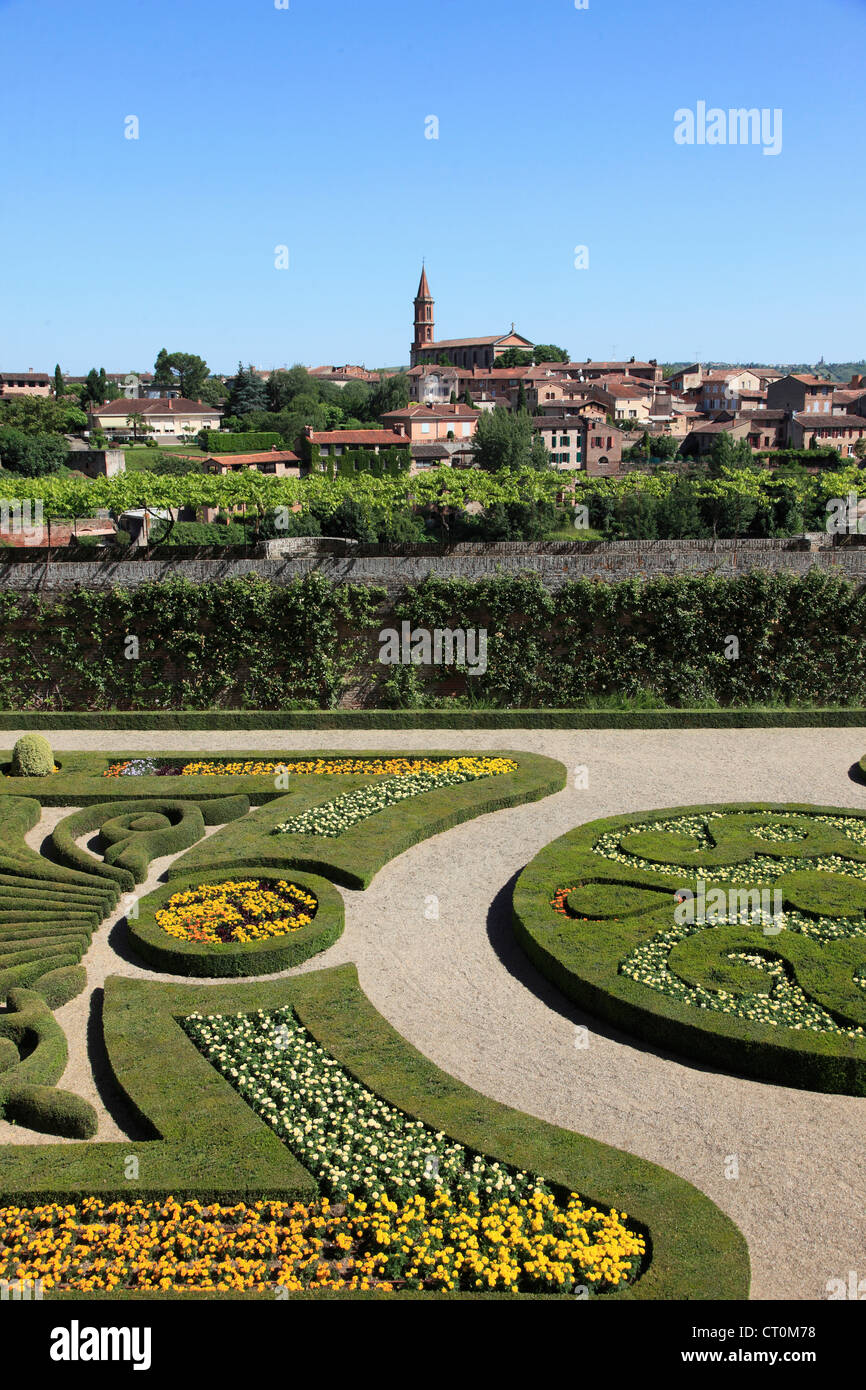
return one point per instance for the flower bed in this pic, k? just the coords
(217, 924)
(263, 767)
(218, 914)
(735, 933)
(441, 1215)
(255, 1247)
(333, 817)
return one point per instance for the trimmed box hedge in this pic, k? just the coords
(208, 1144)
(747, 717)
(28, 1095)
(354, 857)
(137, 831)
(583, 958)
(169, 954)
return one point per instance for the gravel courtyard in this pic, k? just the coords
(432, 942)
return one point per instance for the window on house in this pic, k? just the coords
(425, 428)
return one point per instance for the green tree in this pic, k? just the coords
(504, 440)
(247, 392)
(32, 455)
(214, 392)
(42, 415)
(59, 385)
(183, 371)
(521, 397)
(92, 393)
(514, 357)
(549, 352)
(162, 373)
(391, 394)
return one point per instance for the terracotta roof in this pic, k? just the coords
(269, 456)
(814, 420)
(162, 405)
(26, 376)
(611, 365)
(465, 342)
(430, 451)
(360, 437)
(809, 380)
(421, 410)
(627, 393)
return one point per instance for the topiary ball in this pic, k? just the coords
(32, 757)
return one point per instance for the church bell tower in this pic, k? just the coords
(423, 319)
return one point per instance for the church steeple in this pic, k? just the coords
(423, 317)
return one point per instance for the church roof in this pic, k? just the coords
(423, 288)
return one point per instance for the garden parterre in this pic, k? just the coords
(331, 818)
(734, 933)
(449, 1218)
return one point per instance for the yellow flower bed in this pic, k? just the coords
(332, 767)
(237, 911)
(533, 1246)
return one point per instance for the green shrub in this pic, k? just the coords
(205, 1142)
(32, 757)
(584, 950)
(135, 832)
(168, 953)
(58, 987)
(51, 1111)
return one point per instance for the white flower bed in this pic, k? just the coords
(333, 817)
(348, 1138)
(786, 1004)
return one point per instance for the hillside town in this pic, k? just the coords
(592, 417)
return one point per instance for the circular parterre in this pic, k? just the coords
(731, 933)
(253, 922)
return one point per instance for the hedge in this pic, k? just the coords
(355, 856)
(59, 987)
(27, 1092)
(176, 957)
(443, 718)
(352, 859)
(250, 442)
(309, 643)
(135, 832)
(47, 911)
(752, 717)
(206, 1143)
(584, 959)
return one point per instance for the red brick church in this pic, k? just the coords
(458, 352)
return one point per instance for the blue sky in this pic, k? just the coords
(305, 127)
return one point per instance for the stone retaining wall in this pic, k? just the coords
(554, 562)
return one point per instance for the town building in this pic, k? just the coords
(165, 418)
(579, 443)
(811, 429)
(801, 392)
(279, 463)
(27, 383)
(426, 423)
(457, 352)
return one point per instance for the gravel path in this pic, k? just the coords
(457, 988)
